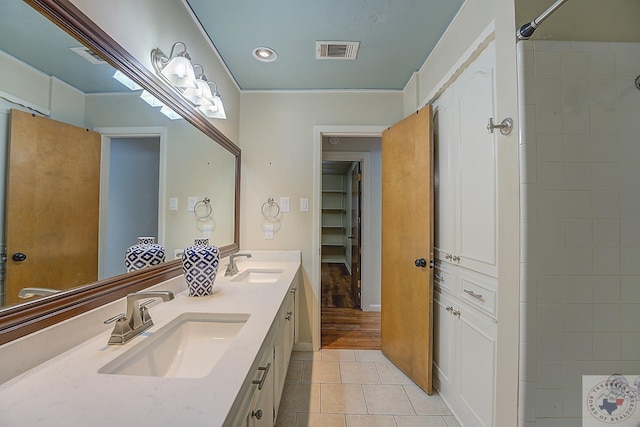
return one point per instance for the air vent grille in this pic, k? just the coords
(336, 50)
(88, 54)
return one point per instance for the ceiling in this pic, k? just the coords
(27, 35)
(395, 36)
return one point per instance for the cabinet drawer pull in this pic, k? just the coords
(449, 308)
(289, 315)
(473, 294)
(257, 414)
(456, 313)
(438, 277)
(261, 381)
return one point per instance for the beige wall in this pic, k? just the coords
(277, 141)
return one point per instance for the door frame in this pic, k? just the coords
(129, 132)
(339, 131)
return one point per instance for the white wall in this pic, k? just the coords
(580, 221)
(277, 141)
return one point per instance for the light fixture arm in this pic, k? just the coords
(184, 52)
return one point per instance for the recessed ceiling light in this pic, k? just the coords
(265, 54)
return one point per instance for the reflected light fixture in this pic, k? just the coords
(265, 54)
(150, 99)
(214, 108)
(176, 68)
(125, 80)
(170, 113)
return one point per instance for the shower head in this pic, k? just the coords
(526, 31)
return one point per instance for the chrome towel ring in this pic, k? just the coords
(268, 208)
(206, 203)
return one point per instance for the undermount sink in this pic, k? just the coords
(258, 275)
(187, 347)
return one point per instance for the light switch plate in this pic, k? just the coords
(191, 203)
(304, 205)
(268, 232)
(285, 204)
(173, 204)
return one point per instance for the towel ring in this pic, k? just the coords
(269, 204)
(207, 203)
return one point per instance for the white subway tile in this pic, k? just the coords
(577, 148)
(605, 204)
(548, 64)
(578, 232)
(627, 65)
(550, 147)
(606, 261)
(579, 346)
(630, 343)
(606, 232)
(579, 289)
(551, 346)
(575, 92)
(575, 119)
(630, 289)
(604, 148)
(549, 403)
(605, 176)
(630, 261)
(602, 65)
(550, 374)
(575, 65)
(606, 317)
(578, 317)
(603, 120)
(550, 318)
(607, 289)
(629, 204)
(603, 93)
(629, 233)
(548, 119)
(548, 91)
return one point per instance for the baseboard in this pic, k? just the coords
(372, 307)
(303, 346)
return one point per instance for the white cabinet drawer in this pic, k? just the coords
(478, 290)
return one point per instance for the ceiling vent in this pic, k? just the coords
(88, 54)
(337, 50)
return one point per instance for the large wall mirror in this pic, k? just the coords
(190, 158)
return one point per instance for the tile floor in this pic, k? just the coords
(354, 388)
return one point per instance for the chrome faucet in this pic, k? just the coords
(32, 292)
(137, 318)
(232, 268)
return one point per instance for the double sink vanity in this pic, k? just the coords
(218, 360)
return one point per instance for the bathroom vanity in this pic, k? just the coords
(218, 360)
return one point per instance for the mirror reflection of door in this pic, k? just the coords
(52, 205)
(340, 267)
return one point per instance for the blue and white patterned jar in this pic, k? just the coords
(144, 254)
(200, 266)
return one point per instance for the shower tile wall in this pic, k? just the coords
(580, 222)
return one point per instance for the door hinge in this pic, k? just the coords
(359, 177)
(431, 263)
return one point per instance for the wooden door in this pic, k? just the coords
(355, 234)
(52, 205)
(407, 246)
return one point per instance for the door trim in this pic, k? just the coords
(319, 132)
(129, 132)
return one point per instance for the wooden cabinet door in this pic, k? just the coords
(407, 239)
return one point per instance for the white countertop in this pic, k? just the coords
(68, 391)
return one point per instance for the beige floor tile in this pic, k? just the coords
(387, 399)
(359, 373)
(334, 355)
(306, 355)
(342, 398)
(286, 419)
(370, 421)
(420, 421)
(300, 397)
(320, 420)
(321, 372)
(294, 372)
(424, 404)
(370, 356)
(390, 374)
(451, 421)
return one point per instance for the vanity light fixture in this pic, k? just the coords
(214, 108)
(265, 54)
(125, 80)
(177, 71)
(176, 68)
(202, 91)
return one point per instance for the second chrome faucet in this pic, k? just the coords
(232, 268)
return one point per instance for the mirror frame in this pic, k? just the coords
(23, 319)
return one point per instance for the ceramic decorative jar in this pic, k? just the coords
(200, 266)
(144, 254)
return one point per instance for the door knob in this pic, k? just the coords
(18, 257)
(421, 262)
